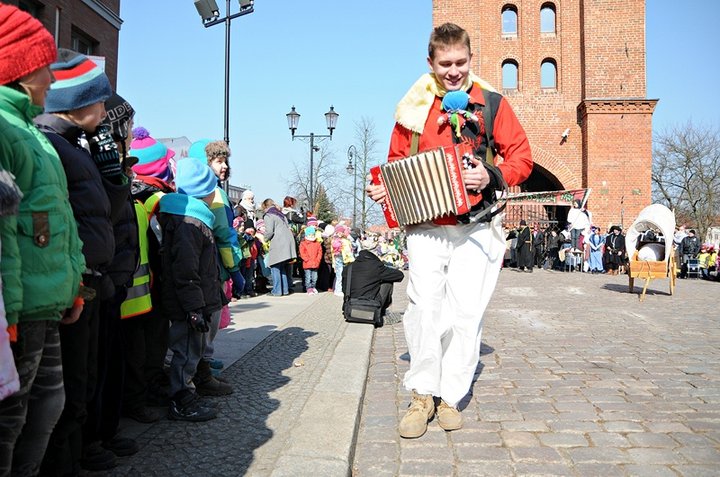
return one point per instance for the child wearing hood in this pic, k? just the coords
(311, 253)
(191, 288)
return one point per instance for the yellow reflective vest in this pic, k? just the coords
(138, 301)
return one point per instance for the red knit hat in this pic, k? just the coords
(25, 44)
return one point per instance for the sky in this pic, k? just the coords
(359, 57)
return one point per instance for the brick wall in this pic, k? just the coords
(599, 49)
(74, 13)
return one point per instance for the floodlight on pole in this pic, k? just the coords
(210, 15)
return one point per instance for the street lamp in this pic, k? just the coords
(208, 11)
(293, 118)
(352, 169)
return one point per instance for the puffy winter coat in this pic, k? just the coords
(191, 280)
(42, 259)
(96, 202)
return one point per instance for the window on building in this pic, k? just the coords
(82, 42)
(31, 6)
(509, 20)
(548, 74)
(547, 18)
(509, 74)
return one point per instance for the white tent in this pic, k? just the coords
(656, 217)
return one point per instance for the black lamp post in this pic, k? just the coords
(210, 15)
(293, 118)
(352, 169)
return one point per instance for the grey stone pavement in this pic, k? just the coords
(577, 377)
(298, 371)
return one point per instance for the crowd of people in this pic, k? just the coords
(551, 248)
(305, 248)
(590, 250)
(118, 262)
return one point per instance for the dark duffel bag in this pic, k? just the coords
(363, 310)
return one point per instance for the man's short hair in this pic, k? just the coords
(446, 35)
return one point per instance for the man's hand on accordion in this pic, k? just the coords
(476, 178)
(375, 191)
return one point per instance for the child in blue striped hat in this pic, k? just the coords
(98, 191)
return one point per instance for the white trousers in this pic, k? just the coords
(453, 272)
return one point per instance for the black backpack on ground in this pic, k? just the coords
(360, 310)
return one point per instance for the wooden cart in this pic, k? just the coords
(661, 220)
(650, 269)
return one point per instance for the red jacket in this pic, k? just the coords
(311, 253)
(510, 140)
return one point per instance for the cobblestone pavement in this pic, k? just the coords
(279, 386)
(577, 377)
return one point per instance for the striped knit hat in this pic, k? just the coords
(25, 45)
(79, 82)
(153, 156)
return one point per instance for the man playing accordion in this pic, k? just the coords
(454, 261)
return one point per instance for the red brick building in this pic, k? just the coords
(577, 67)
(90, 27)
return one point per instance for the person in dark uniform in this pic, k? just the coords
(524, 248)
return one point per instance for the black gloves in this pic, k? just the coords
(197, 321)
(105, 153)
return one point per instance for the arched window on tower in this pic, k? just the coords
(548, 74)
(509, 20)
(509, 74)
(547, 18)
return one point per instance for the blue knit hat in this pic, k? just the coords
(194, 178)
(79, 82)
(197, 149)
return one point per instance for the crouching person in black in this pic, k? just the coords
(368, 286)
(191, 290)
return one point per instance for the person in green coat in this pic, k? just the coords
(42, 259)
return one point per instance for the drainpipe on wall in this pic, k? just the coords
(57, 27)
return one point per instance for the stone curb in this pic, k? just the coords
(323, 442)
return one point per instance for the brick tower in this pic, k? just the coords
(575, 66)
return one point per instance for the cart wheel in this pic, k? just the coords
(631, 285)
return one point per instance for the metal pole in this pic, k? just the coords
(226, 130)
(355, 195)
(312, 151)
(226, 125)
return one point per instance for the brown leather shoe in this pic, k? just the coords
(419, 413)
(448, 417)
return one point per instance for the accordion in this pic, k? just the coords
(426, 186)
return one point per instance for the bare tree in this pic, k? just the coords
(366, 144)
(323, 174)
(686, 173)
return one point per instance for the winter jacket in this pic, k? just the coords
(42, 259)
(191, 280)
(510, 139)
(311, 253)
(368, 273)
(280, 237)
(127, 246)
(690, 246)
(96, 202)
